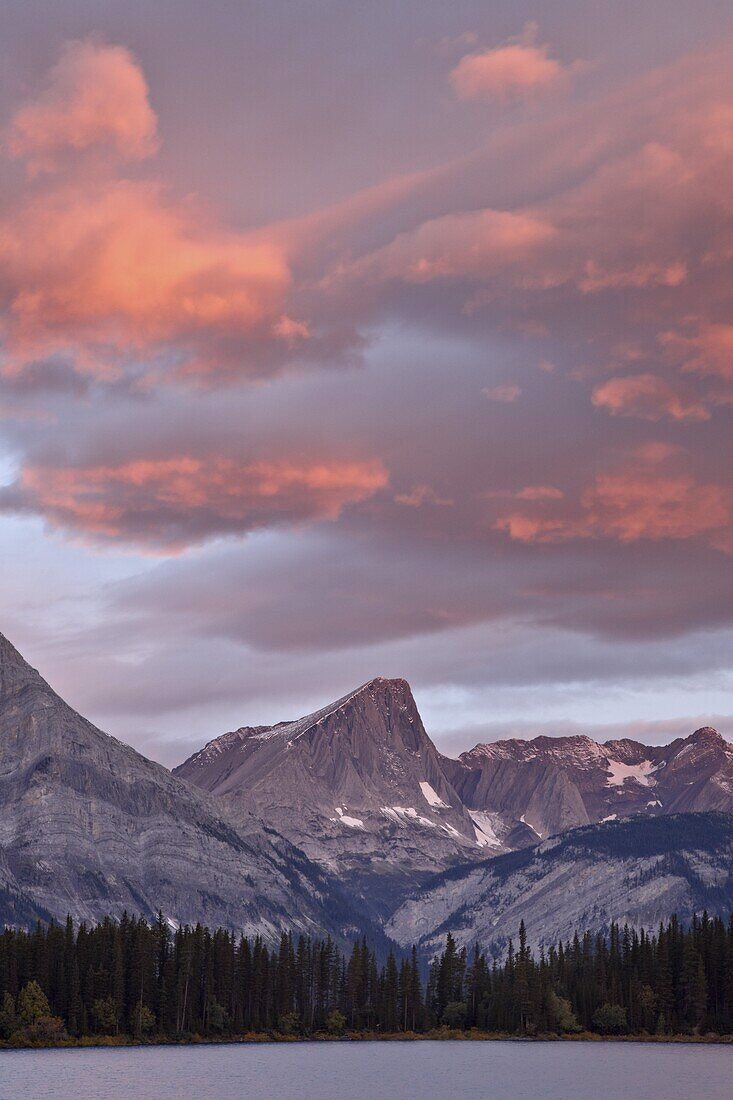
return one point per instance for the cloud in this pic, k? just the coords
(540, 492)
(116, 277)
(708, 350)
(168, 504)
(519, 69)
(648, 397)
(505, 394)
(95, 95)
(422, 494)
(649, 496)
(479, 243)
(119, 279)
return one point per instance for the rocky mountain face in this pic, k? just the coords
(329, 823)
(552, 784)
(90, 827)
(638, 871)
(359, 786)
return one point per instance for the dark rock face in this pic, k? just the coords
(359, 786)
(90, 827)
(635, 872)
(553, 784)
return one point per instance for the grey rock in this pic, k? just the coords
(557, 783)
(634, 872)
(90, 827)
(359, 786)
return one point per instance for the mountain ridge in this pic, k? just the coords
(638, 871)
(89, 826)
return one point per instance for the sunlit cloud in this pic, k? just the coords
(96, 95)
(171, 503)
(518, 69)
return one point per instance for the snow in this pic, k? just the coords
(432, 798)
(620, 772)
(484, 828)
(402, 814)
(352, 822)
(611, 817)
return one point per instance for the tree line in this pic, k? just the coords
(142, 980)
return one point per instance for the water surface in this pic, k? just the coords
(372, 1071)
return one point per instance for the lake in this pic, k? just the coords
(370, 1071)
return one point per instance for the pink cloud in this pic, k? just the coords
(108, 272)
(166, 504)
(519, 69)
(114, 275)
(479, 243)
(649, 397)
(650, 496)
(422, 494)
(96, 95)
(707, 351)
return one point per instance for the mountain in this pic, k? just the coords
(90, 827)
(638, 871)
(551, 784)
(359, 786)
(362, 790)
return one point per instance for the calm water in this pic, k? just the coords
(370, 1071)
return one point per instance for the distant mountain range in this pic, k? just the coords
(361, 788)
(349, 822)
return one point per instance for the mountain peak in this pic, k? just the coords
(15, 672)
(706, 733)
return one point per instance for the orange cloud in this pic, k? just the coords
(113, 275)
(96, 95)
(479, 243)
(171, 503)
(517, 70)
(647, 498)
(107, 272)
(648, 397)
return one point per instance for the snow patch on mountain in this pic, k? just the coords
(620, 772)
(432, 798)
(352, 822)
(485, 828)
(404, 814)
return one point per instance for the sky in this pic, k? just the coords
(342, 340)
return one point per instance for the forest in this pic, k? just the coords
(130, 980)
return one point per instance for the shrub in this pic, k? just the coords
(32, 1004)
(106, 1017)
(335, 1022)
(610, 1020)
(45, 1031)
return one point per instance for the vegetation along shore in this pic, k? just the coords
(130, 981)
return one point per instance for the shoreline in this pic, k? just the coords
(111, 1042)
